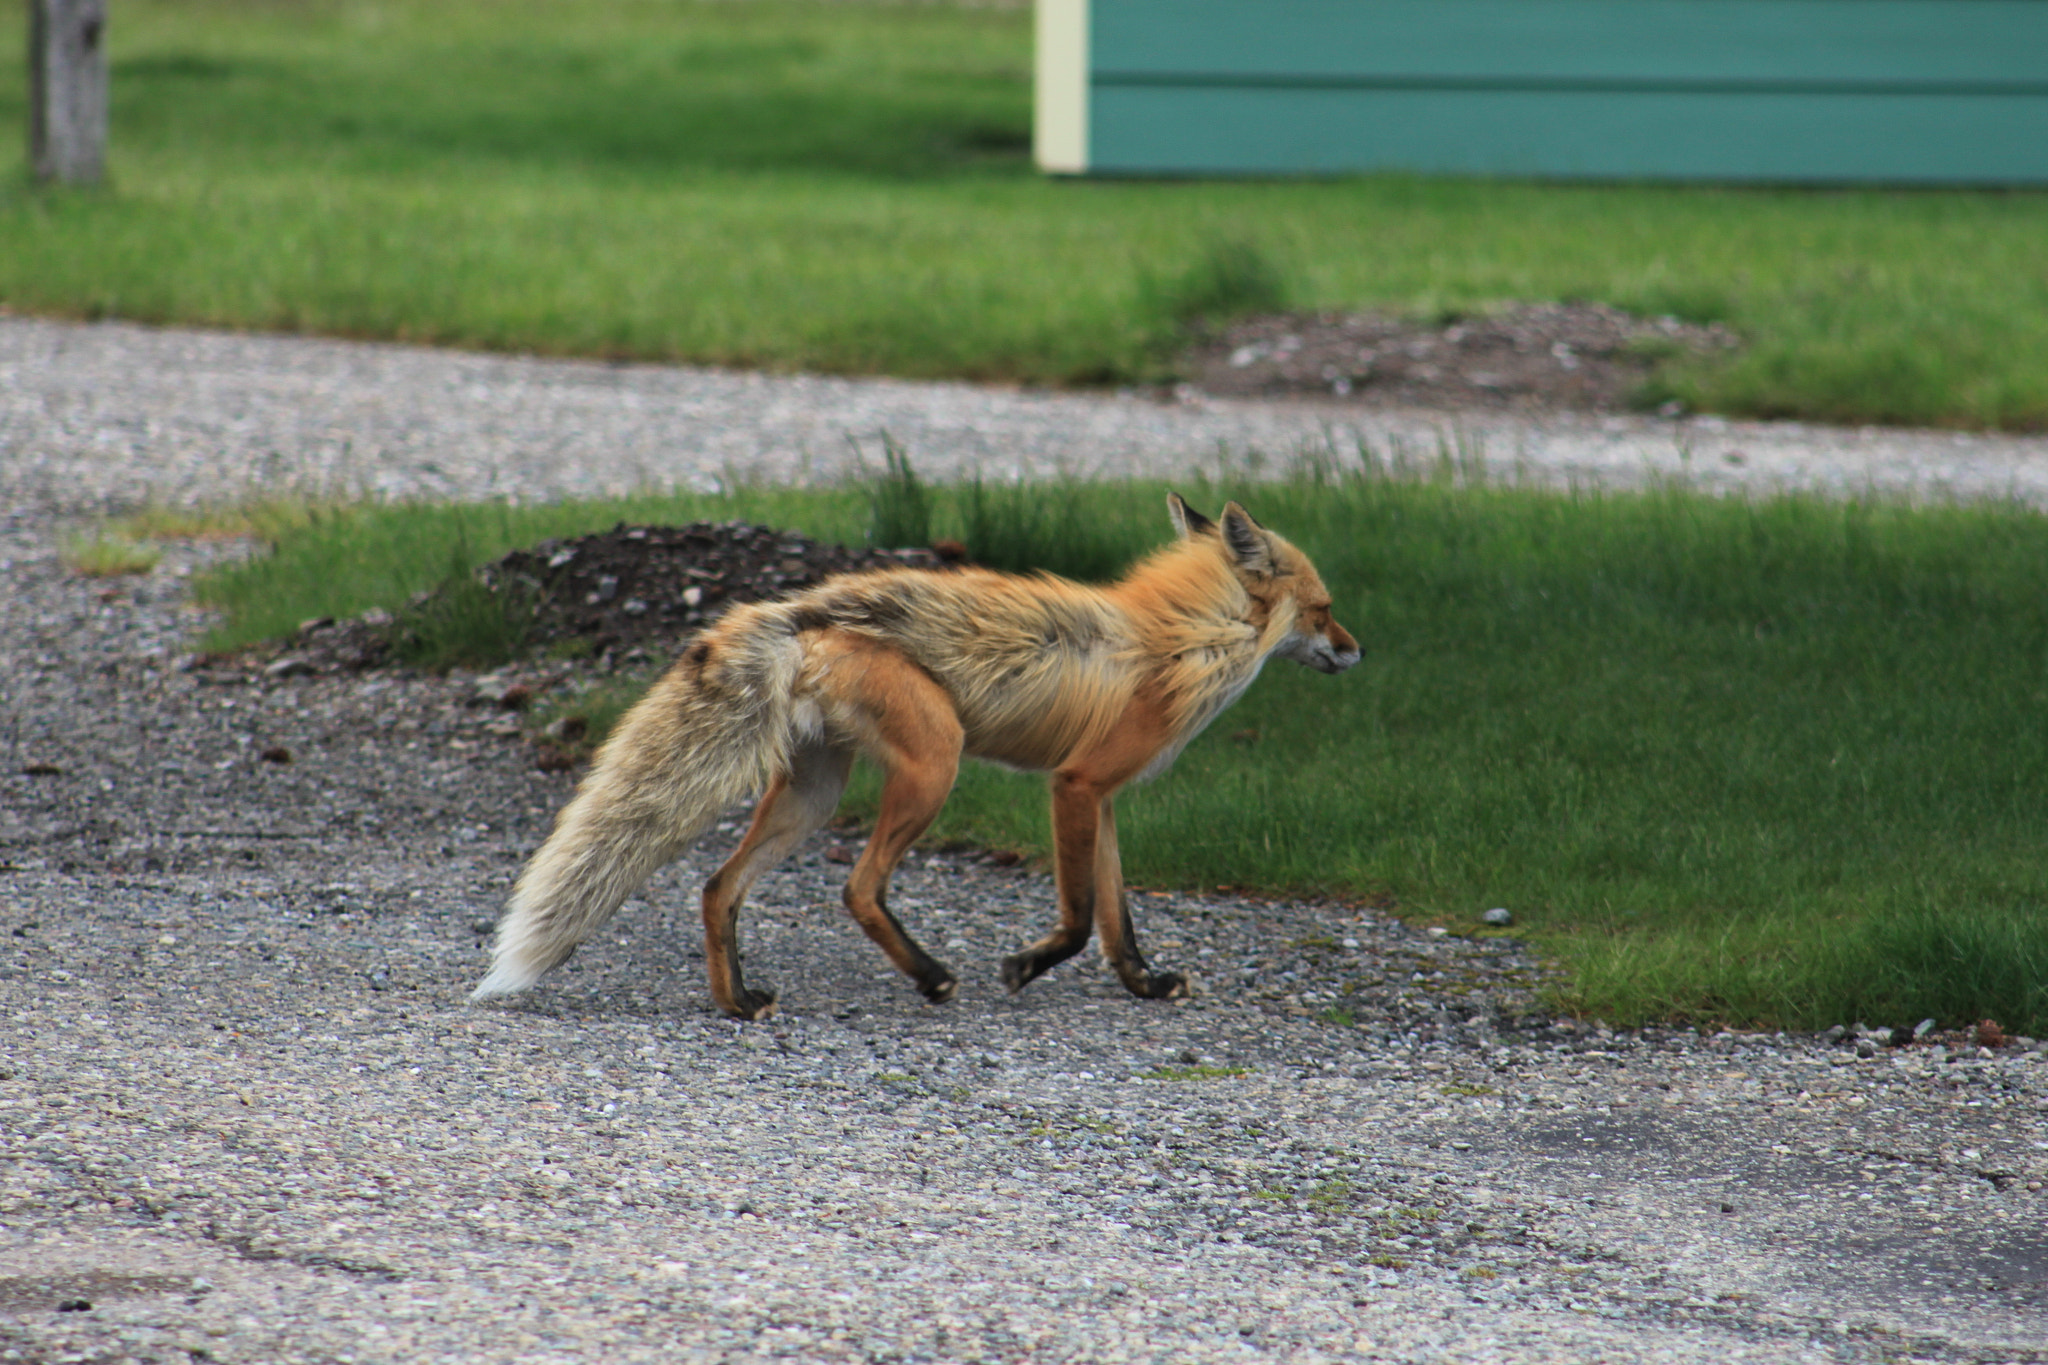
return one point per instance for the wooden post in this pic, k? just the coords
(1059, 129)
(67, 90)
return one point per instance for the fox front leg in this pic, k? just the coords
(1090, 877)
(1113, 920)
(1074, 810)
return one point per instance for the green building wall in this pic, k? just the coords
(1907, 91)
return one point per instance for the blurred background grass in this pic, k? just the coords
(847, 187)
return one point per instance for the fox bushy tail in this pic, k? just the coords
(713, 732)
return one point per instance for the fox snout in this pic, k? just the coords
(1335, 661)
(1342, 649)
(1330, 650)
(1330, 657)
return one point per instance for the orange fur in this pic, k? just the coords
(1097, 685)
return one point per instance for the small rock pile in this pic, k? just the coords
(1987, 1038)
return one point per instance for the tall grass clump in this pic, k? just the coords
(462, 622)
(1061, 526)
(899, 504)
(1057, 527)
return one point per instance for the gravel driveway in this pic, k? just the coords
(246, 1115)
(114, 413)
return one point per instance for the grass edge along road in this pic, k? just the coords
(1758, 761)
(846, 187)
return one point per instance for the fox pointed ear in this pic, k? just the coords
(1247, 541)
(1186, 519)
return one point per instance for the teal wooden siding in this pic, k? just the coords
(1932, 91)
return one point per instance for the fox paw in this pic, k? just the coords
(1162, 986)
(1018, 971)
(940, 991)
(752, 1005)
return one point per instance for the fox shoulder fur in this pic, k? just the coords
(1097, 685)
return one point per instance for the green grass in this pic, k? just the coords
(846, 187)
(110, 554)
(899, 505)
(1774, 761)
(462, 623)
(1196, 1073)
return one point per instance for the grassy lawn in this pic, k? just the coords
(846, 187)
(1767, 762)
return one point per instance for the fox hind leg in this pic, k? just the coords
(796, 803)
(909, 727)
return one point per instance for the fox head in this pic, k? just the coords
(1279, 579)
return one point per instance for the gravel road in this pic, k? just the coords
(112, 413)
(246, 1115)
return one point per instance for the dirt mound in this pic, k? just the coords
(629, 595)
(1536, 357)
(651, 586)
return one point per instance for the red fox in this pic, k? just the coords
(1096, 685)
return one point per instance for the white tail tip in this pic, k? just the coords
(506, 978)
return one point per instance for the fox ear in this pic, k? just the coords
(1186, 519)
(1246, 540)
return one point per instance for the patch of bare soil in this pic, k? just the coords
(1541, 357)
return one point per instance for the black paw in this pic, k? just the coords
(752, 1005)
(1159, 986)
(941, 990)
(1019, 971)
